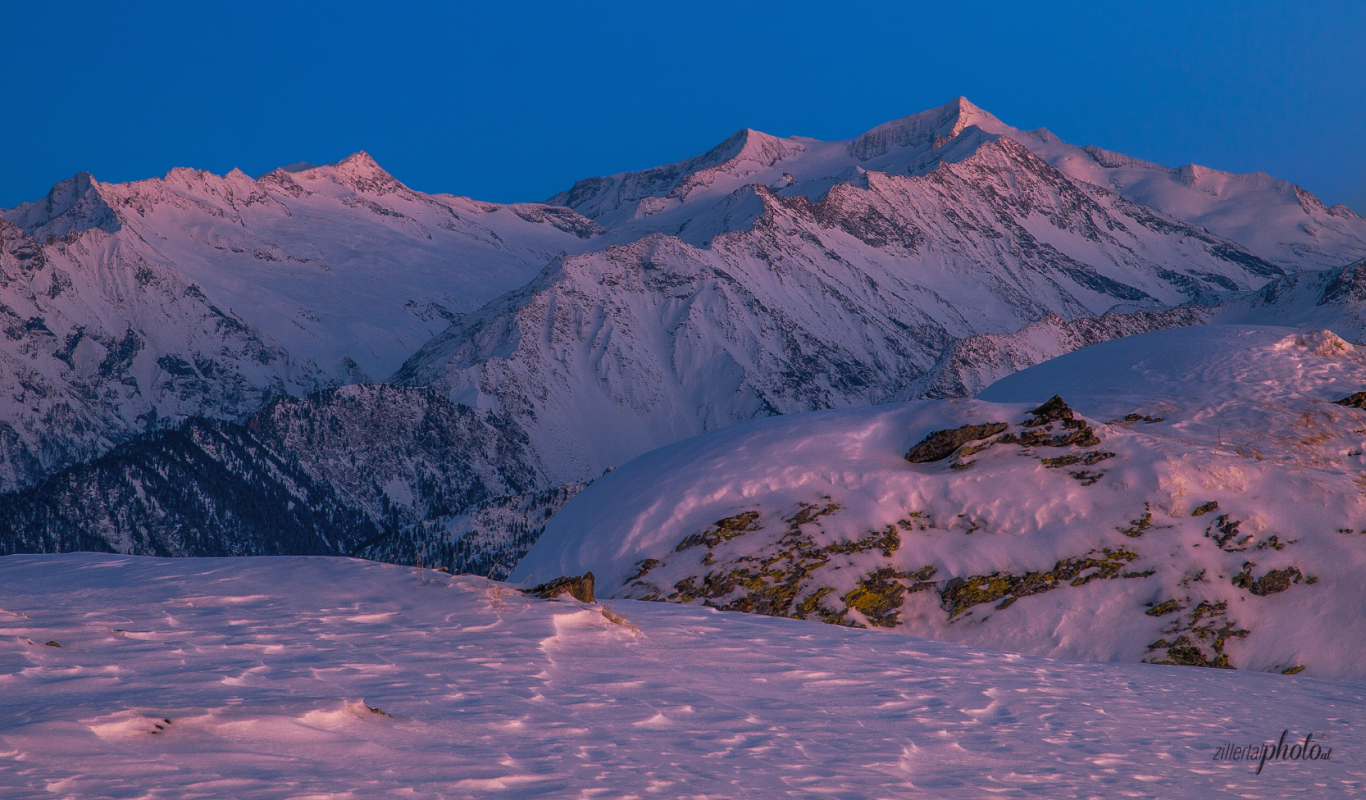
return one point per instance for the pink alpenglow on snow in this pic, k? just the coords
(328, 677)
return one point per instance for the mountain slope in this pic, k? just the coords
(395, 474)
(780, 304)
(1201, 506)
(99, 342)
(125, 305)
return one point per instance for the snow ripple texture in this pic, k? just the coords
(328, 677)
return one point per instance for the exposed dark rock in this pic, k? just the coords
(1273, 582)
(960, 594)
(941, 444)
(1357, 400)
(1043, 417)
(781, 579)
(1137, 527)
(1224, 532)
(1088, 459)
(722, 530)
(1163, 608)
(1206, 626)
(1053, 410)
(879, 596)
(1087, 477)
(1042, 437)
(1205, 508)
(580, 587)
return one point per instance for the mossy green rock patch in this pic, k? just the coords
(961, 594)
(941, 444)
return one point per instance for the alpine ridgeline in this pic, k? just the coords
(551, 341)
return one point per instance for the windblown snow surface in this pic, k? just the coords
(328, 677)
(1205, 507)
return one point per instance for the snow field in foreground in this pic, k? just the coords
(268, 670)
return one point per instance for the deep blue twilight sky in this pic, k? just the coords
(515, 101)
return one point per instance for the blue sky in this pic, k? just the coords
(507, 101)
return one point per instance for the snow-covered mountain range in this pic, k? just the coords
(745, 298)
(927, 257)
(126, 305)
(1022, 400)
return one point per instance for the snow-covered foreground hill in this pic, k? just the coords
(1204, 507)
(328, 677)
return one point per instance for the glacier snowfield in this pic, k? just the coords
(294, 677)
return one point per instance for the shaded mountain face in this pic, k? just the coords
(400, 455)
(205, 488)
(379, 471)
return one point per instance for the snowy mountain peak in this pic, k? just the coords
(359, 163)
(358, 172)
(747, 145)
(926, 127)
(75, 204)
(743, 153)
